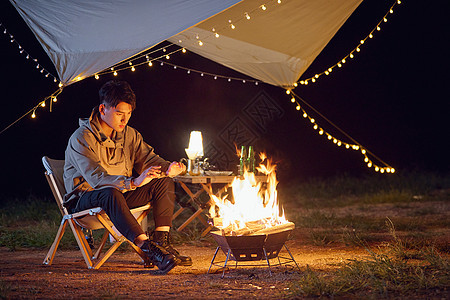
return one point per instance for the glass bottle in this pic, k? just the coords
(251, 160)
(243, 161)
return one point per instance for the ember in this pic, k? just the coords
(253, 207)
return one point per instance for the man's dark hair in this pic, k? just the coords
(113, 92)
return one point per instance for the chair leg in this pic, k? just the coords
(82, 243)
(51, 252)
(102, 244)
(108, 253)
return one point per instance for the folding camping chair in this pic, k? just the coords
(91, 219)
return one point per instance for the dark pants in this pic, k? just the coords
(160, 192)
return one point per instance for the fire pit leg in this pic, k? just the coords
(268, 263)
(225, 265)
(212, 261)
(291, 256)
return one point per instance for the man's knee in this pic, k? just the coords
(110, 195)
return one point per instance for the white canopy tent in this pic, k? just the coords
(276, 45)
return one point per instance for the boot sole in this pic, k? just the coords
(168, 267)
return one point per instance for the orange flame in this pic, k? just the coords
(252, 200)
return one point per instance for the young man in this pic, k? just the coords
(107, 164)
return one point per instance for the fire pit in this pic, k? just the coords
(252, 227)
(252, 248)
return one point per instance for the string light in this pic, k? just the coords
(28, 56)
(232, 23)
(340, 63)
(355, 146)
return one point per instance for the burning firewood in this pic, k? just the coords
(275, 229)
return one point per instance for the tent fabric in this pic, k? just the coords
(276, 45)
(83, 37)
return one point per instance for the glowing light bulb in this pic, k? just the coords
(384, 20)
(96, 76)
(115, 73)
(361, 42)
(370, 35)
(330, 137)
(347, 146)
(339, 65)
(321, 132)
(288, 92)
(292, 99)
(217, 35)
(232, 26)
(313, 80)
(247, 16)
(279, 1)
(391, 11)
(366, 159)
(378, 28)
(339, 143)
(326, 72)
(200, 43)
(312, 120)
(133, 69)
(33, 115)
(317, 75)
(330, 70)
(369, 164)
(295, 84)
(351, 55)
(382, 170)
(343, 61)
(150, 64)
(55, 99)
(335, 141)
(167, 56)
(377, 168)
(60, 84)
(357, 49)
(263, 7)
(297, 107)
(305, 115)
(306, 82)
(43, 104)
(183, 50)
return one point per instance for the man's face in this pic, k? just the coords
(115, 118)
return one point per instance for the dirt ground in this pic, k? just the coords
(123, 275)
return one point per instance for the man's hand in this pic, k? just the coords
(147, 176)
(175, 168)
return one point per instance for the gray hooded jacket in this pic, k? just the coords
(94, 161)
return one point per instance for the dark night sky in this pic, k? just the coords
(392, 98)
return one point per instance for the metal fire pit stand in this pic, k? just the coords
(252, 248)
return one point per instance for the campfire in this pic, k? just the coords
(252, 208)
(252, 226)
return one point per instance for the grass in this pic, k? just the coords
(371, 189)
(395, 269)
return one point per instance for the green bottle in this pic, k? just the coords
(243, 161)
(251, 159)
